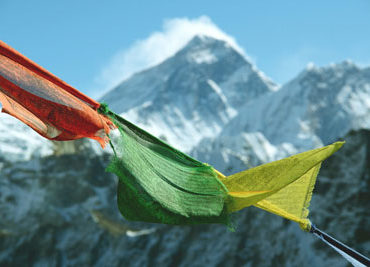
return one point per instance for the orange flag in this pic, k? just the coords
(50, 106)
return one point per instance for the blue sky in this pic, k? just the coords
(91, 44)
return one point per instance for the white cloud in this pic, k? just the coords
(159, 46)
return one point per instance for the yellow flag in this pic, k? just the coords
(283, 187)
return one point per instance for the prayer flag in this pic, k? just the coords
(51, 107)
(157, 183)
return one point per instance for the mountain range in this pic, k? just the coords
(58, 206)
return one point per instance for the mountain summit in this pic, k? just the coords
(192, 94)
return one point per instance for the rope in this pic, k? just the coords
(348, 253)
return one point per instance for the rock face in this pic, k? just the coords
(58, 205)
(345, 180)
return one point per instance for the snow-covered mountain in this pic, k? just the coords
(192, 94)
(314, 109)
(320, 104)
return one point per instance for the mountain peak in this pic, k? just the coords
(313, 74)
(205, 40)
(203, 49)
(341, 67)
(346, 66)
(191, 95)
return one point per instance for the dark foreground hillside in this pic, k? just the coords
(61, 211)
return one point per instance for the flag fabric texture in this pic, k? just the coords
(156, 182)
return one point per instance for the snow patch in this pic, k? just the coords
(202, 57)
(217, 90)
(231, 112)
(131, 233)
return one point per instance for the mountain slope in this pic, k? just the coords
(322, 103)
(191, 95)
(314, 109)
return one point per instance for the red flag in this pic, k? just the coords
(50, 106)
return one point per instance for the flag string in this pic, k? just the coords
(354, 257)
